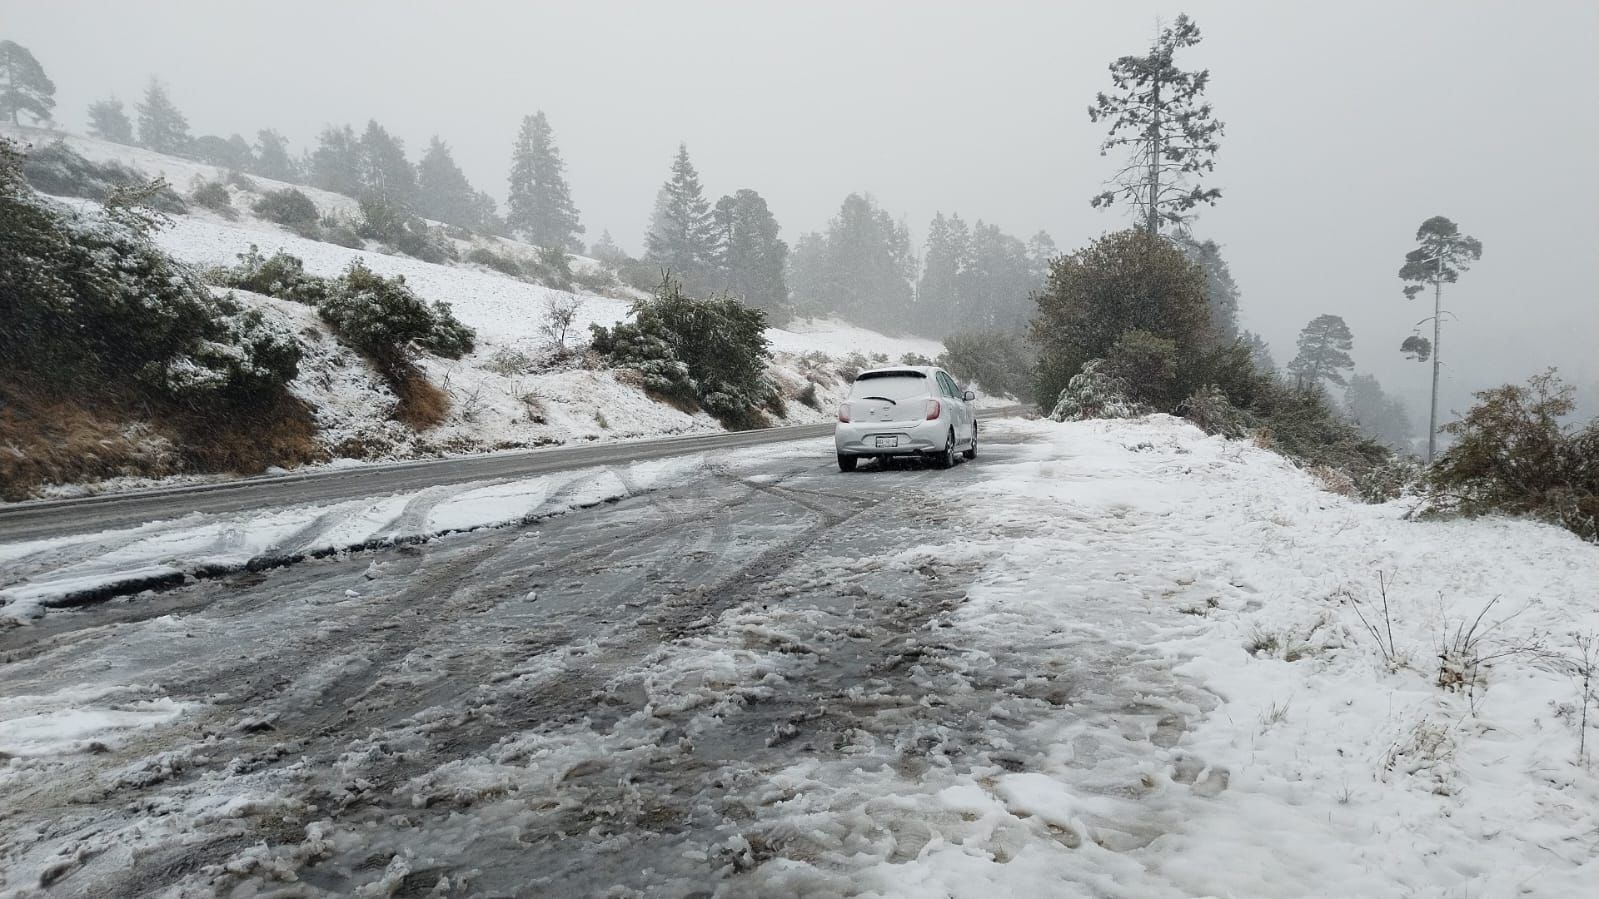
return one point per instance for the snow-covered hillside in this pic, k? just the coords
(494, 405)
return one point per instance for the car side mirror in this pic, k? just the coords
(968, 396)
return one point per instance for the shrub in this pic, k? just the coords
(551, 267)
(1390, 480)
(1513, 455)
(402, 231)
(999, 361)
(710, 350)
(808, 396)
(560, 313)
(279, 275)
(58, 169)
(1147, 364)
(639, 275)
(919, 359)
(487, 258)
(341, 231)
(595, 280)
(1095, 393)
(290, 208)
(382, 318)
(1209, 409)
(213, 195)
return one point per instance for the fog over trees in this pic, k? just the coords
(1325, 174)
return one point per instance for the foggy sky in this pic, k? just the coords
(1347, 125)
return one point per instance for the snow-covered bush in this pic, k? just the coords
(499, 262)
(213, 195)
(403, 231)
(88, 296)
(290, 208)
(384, 319)
(1398, 476)
(1095, 393)
(712, 351)
(59, 170)
(279, 275)
(1210, 409)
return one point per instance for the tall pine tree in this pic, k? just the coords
(386, 174)
(335, 164)
(109, 121)
(162, 127)
(682, 234)
(443, 193)
(540, 204)
(1324, 346)
(272, 159)
(750, 257)
(1220, 288)
(24, 87)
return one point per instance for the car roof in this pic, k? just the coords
(924, 370)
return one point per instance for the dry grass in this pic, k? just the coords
(49, 438)
(1333, 481)
(423, 404)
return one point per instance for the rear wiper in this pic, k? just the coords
(883, 398)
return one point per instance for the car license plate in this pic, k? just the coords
(887, 441)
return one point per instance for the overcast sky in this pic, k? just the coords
(1348, 123)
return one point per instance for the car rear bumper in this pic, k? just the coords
(861, 438)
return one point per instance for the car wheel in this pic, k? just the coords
(946, 459)
(971, 451)
(846, 463)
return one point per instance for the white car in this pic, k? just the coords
(906, 411)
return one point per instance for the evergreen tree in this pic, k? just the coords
(443, 193)
(998, 288)
(540, 203)
(1157, 117)
(809, 277)
(1259, 352)
(869, 266)
(606, 250)
(1441, 254)
(386, 175)
(109, 121)
(162, 127)
(335, 165)
(232, 153)
(937, 293)
(1324, 346)
(1378, 415)
(1041, 251)
(272, 159)
(1220, 288)
(1126, 281)
(682, 235)
(751, 258)
(24, 87)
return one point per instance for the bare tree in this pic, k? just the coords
(560, 313)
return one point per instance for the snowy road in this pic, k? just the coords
(1042, 674)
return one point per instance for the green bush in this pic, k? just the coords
(290, 208)
(213, 195)
(919, 359)
(382, 318)
(403, 231)
(88, 298)
(712, 351)
(58, 169)
(503, 264)
(1095, 393)
(551, 267)
(1512, 454)
(341, 231)
(279, 275)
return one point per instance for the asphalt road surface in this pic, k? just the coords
(54, 518)
(598, 704)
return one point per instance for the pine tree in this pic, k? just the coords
(109, 121)
(1220, 288)
(750, 257)
(1259, 352)
(443, 193)
(162, 127)
(1324, 346)
(606, 250)
(936, 291)
(335, 165)
(870, 266)
(1441, 254)
(24, 87)
(386, 175)
(540, 203)
(1157, 118)
(1378, 415)
(272, 159)
(682, 235)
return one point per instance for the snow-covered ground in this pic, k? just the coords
(1112, 658)
(493, 405)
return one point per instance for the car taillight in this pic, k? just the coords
(843, 412)
(934, 410)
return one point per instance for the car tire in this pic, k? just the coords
(847, 463)
(946, 459)
(971, 451)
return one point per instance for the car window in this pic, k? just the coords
(948, 384)
(893, 385)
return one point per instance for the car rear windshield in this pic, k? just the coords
(895, 385)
